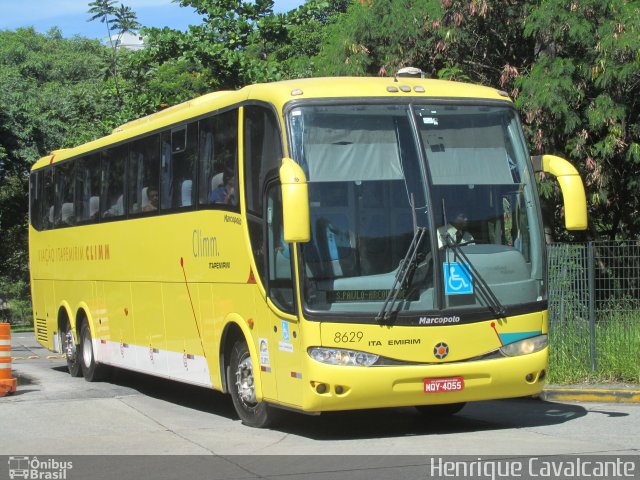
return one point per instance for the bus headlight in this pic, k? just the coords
(339, 356)
(525, 347)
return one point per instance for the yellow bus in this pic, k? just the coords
(311, 245)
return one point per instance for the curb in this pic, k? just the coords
(592, 393)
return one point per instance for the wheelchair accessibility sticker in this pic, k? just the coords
(457, 279)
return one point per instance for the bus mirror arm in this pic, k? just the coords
(295, 202)
(575, 200)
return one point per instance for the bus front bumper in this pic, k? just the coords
(331, 388)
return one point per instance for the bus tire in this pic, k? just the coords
(444, 410)
(70, 349)
(241, 385)
(91, 370)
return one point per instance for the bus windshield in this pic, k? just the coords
(379, 173)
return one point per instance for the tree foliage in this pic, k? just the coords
(475, 40)
(306, 30)
(227, 50)
(51, 96)
(116, 19)
(572, 67)
(580, 98)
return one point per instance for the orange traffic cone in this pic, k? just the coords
(7, 384)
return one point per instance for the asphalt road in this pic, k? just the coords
(55, 414)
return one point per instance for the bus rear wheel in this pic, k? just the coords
(70, 350)
(91, 370)
(241, 385)
(444, 410)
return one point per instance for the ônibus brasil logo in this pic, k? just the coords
(37, 469)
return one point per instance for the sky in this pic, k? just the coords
(71, 15)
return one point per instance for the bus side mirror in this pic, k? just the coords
(295, 202)
(575, 200)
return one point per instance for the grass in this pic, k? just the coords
(617, 345)
(21, 328)
(22, 325)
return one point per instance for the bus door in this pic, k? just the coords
(285, 341)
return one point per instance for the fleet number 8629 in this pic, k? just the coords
(347, 337)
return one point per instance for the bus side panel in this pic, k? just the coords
(101, 324)
(148, 317)
(289, 358)
(118, 304)
(266, 346)
(73, 293)
(210, 335)
(278, 342)
(183, 330)
(44, 312)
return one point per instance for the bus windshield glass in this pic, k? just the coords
(377, 174)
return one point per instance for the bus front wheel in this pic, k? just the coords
(241, 385)
(91, 370)
(70, 350)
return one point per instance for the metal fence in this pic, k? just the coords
(594, 309)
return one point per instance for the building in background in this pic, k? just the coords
(128, 40)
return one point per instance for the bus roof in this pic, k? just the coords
(279, 93)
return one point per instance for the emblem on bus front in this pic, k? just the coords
(441, 350)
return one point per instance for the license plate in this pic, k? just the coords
(443, 385)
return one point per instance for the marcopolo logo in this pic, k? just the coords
(38, 469)
(438, 320)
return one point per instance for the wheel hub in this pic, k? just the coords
(70, 346)
(245, 383)
(87, 348)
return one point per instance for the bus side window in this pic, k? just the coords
(88, 187)
(263, 152)
(218, 154)
(178, 166)
(64, 210)
(262, 157)
(35, 199)
(279, 253)
(46, 209)
(113, 178)
(144, 175)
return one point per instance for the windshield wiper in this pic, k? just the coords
(405, 269)
(482, 287)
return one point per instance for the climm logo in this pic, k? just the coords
(98, 252)
(75, 253)
(204, 245)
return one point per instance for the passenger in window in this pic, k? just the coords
(224, 193)
(116, 209)
(457, 230)
(153, 197)
(94, 208)
(50, 217)
(67, 214)
(186, 193)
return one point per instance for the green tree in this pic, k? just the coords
(120, 20)
(229, 49)
(580, 99)
(475, 40)
(50, 97)
(305, 30)
(238, 43)
(573, 69)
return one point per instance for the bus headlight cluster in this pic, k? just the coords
(525, 347)
(339, 356)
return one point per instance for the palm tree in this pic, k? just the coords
(121, 20)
